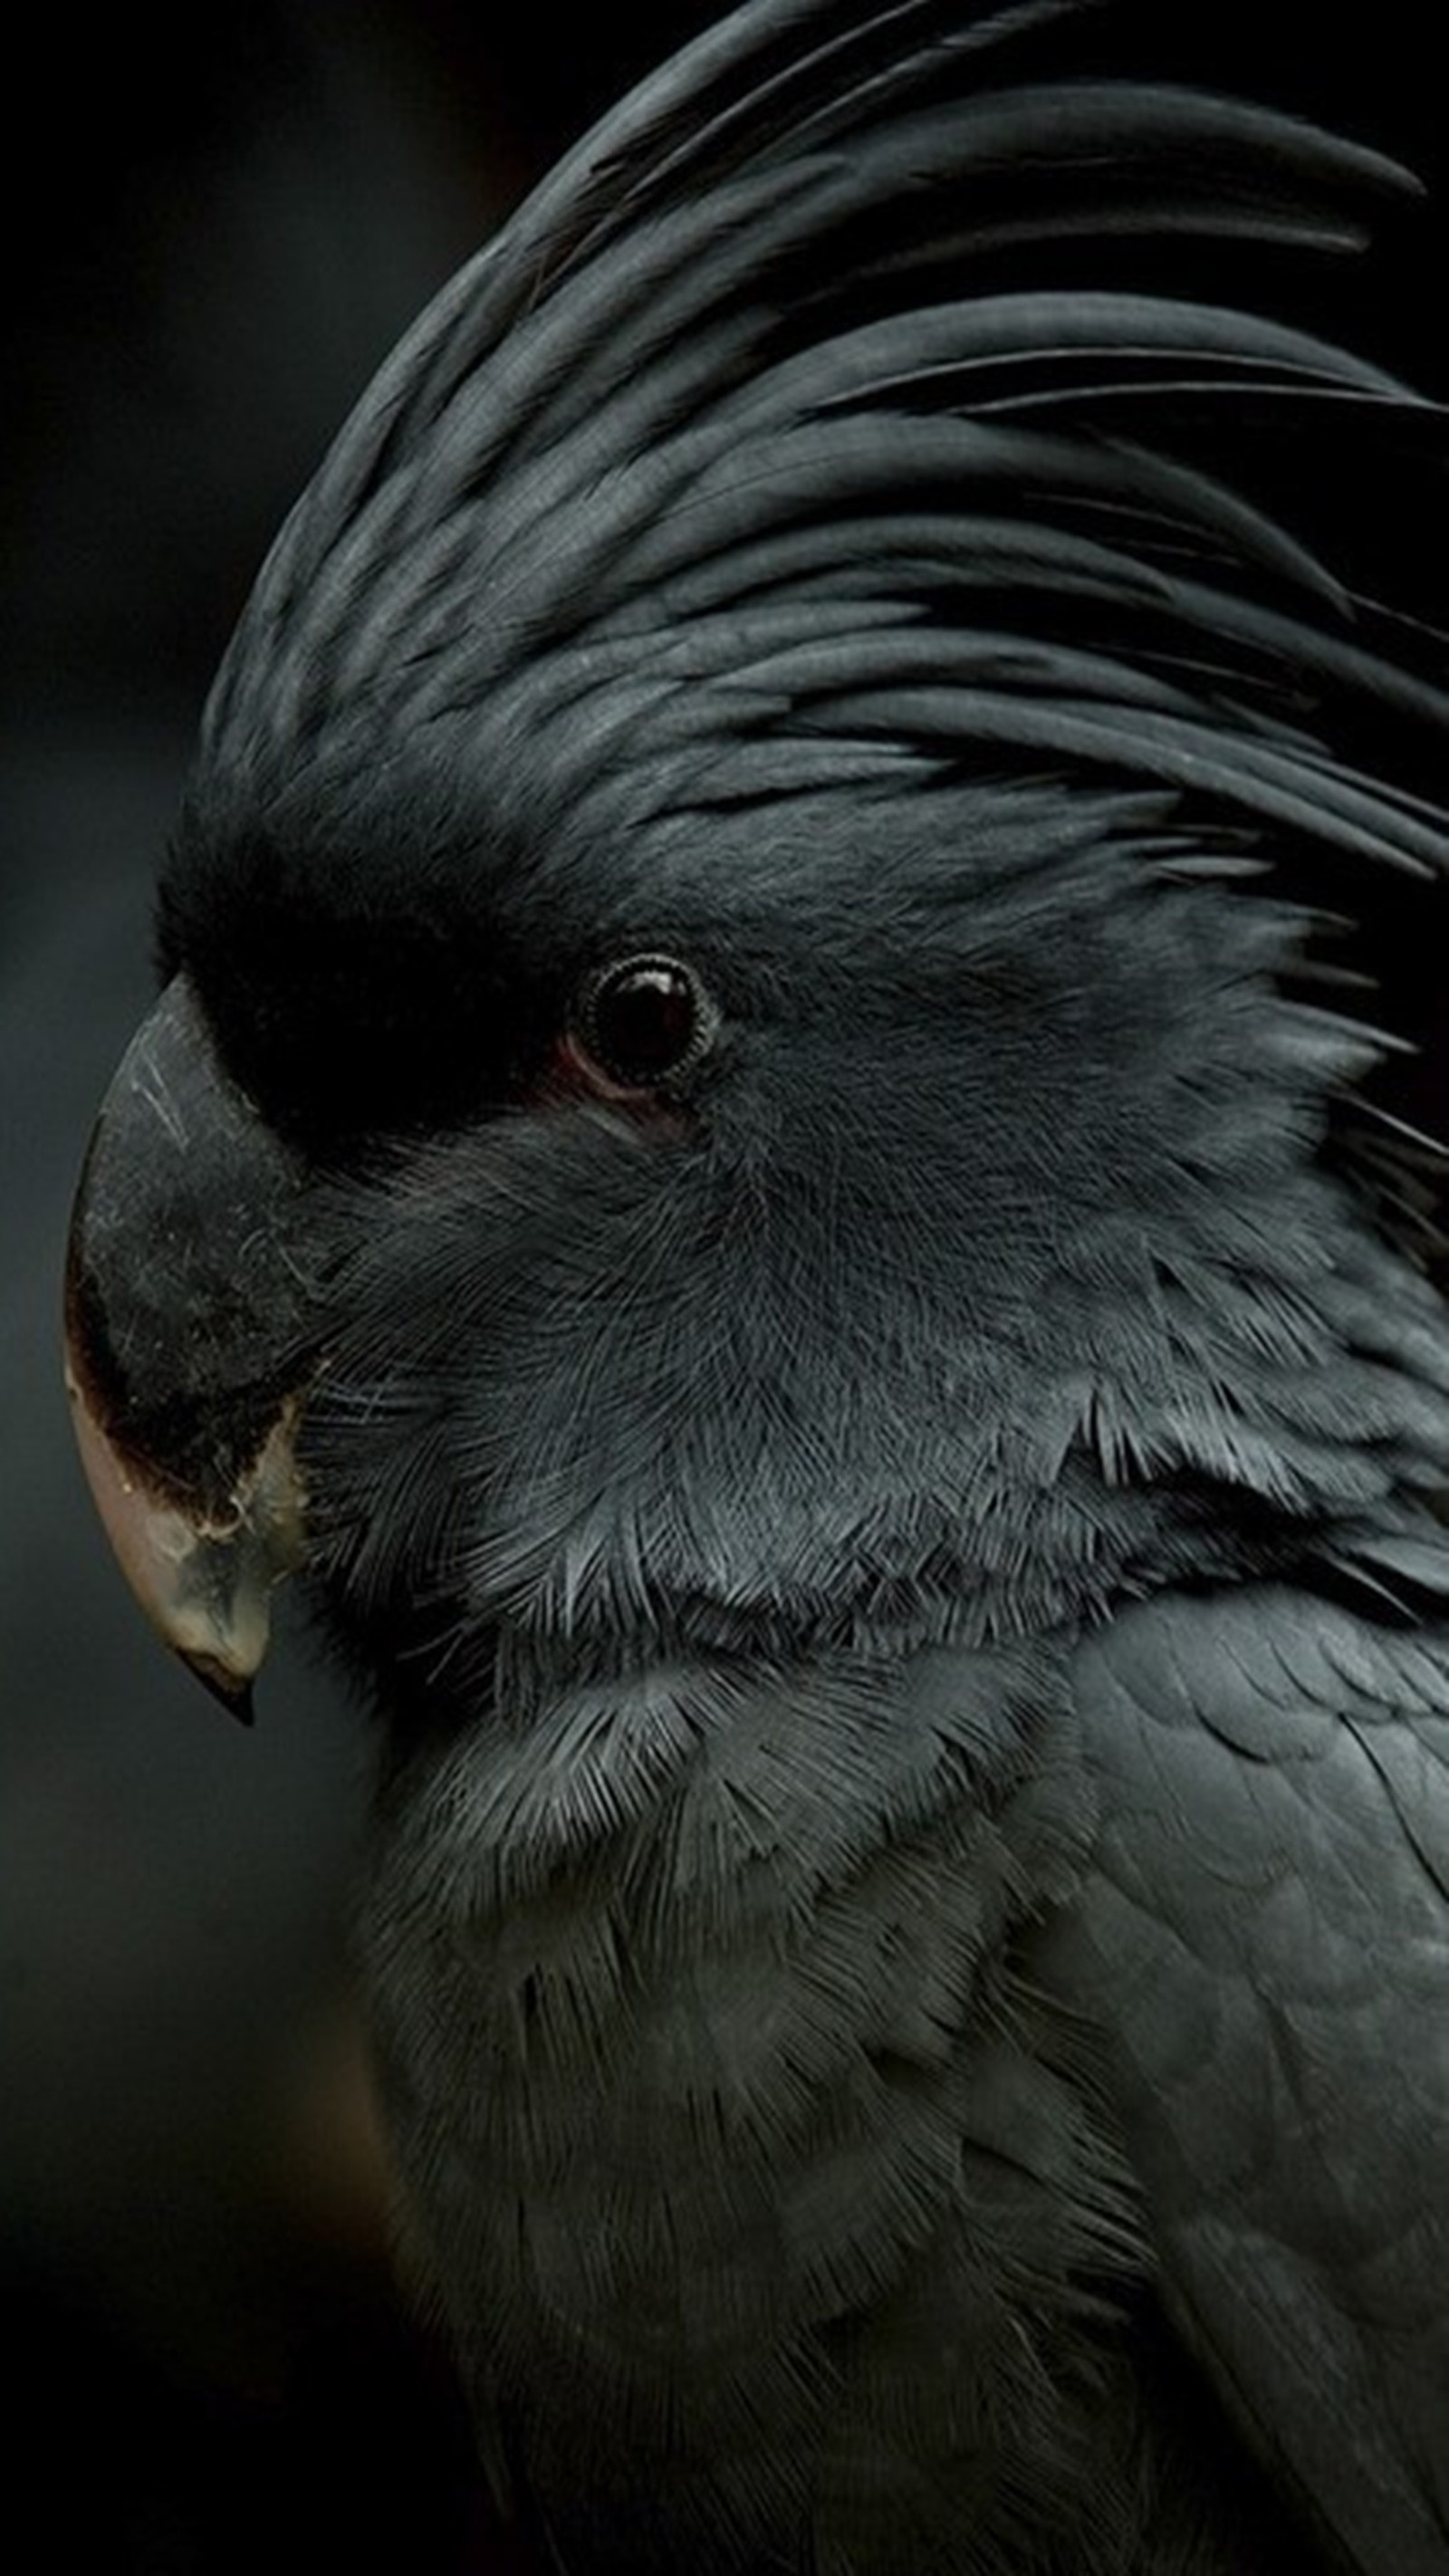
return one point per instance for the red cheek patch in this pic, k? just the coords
(569, 1078)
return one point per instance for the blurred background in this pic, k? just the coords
(218, 221)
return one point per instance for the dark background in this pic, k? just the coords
(217, 223)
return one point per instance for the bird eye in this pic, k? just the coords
(644, 1020)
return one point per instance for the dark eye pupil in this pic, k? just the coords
(642, 1019)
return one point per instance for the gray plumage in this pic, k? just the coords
(907, 1921)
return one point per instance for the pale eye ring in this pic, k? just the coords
(644, 1021)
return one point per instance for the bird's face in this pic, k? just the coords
(716, 1076)
(654, 1247)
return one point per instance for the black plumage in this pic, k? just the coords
(895, 1553)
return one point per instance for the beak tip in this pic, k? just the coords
(204, 1581)
(236, 1696)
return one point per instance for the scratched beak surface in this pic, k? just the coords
(185, 1317)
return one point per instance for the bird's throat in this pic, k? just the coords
(703, 2032)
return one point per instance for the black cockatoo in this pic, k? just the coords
(754, 1148)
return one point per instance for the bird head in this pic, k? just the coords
(737, 1058)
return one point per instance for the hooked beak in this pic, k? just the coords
(185, 1307)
